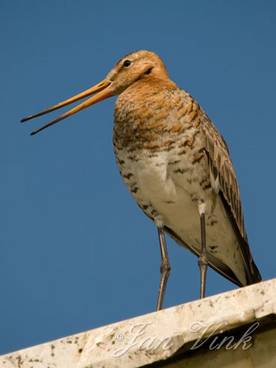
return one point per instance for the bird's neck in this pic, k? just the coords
(143, 93)
(142, 111)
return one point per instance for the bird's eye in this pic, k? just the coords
(126, 63)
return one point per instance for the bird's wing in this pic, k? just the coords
(222, 171)
(213, 261)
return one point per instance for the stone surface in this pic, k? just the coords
(243, 319)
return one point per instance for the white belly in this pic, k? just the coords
(171, 199)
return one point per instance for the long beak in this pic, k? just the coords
(101, 90)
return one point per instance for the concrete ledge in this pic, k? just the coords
(236, 328)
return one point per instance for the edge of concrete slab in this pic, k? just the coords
(152, 337)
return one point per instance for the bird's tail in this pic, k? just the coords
(253, 274)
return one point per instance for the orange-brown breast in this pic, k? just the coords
(155, 115)
(150, 115)
(171, 156)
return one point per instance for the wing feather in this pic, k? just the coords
(221, 167)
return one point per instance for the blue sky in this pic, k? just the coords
(76, 252)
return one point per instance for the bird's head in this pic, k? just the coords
(128, 70)
(135, 66)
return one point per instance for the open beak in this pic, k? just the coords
(100, 92)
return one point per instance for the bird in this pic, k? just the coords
(176, 165)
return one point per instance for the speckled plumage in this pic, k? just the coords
(172, 157)
(176, 165)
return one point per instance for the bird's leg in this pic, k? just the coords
(202, 260)
(165, 267)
